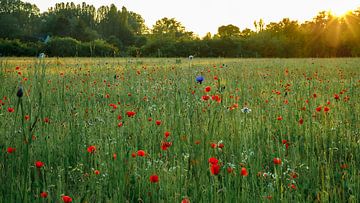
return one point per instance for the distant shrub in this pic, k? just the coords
(17, 48)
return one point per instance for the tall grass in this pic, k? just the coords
(72, 104)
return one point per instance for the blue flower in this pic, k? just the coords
(199, 79)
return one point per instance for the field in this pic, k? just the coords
(153, 130)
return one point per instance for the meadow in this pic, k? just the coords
(179, 130)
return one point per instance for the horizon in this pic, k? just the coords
(211, 14)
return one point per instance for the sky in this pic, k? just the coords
(202, 16)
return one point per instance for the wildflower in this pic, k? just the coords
(230, 169)
(213, 161)
(114, 156)
(46, 120)
(292, 186)
(165, 145)
(205, 97)
(167, 134)
(91, 149)
(27, 117)
(39, 164)
(11, 110)
(199, 79)
(215, 169)
(326, 109)
(97, 172)
(279, 118)
(185, 200)
(244, 172)
(133, 155)
(130, 113)
(207, 89)
(301, 121)
(318, 109)
(213, 145)
(158, 122)
(221, 145)
(43, 194)
(245, 110)
(66, 199)
(10, 150)
(141, 153)
(120, 124)
(154, 178)
(336, 96)
(277, 161)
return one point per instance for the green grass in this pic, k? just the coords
(321, 163)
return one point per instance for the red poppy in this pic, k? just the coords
(66, 199)
(39, 164)
(205, 97)
(213, 160)
(301, 121)
(158, 122)
(221, 145)
(213, 145)
(207, 89)
(130, 113)
(27, 117)
(10, 110)
(154, 178)
(149, 119)
(120, 124)
(114, 156)
(133, 154)
(43, 194)
(318, 109)
(167, 134)
(244, 172)
(91, 149)
(166, 145)
(97, 172)
(336, 96)
(185, 200)
(215, 169)
(279, 118)
(230, 170)
(326, 109)
(46, 120)
(141, 153)
(10, 150)
(292, 186)
(277, 161)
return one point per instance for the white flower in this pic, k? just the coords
(245, 110)
(191, 57)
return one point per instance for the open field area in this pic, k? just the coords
(179, 130)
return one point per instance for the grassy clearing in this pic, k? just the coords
(300, 142)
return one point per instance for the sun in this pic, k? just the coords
(341, 8)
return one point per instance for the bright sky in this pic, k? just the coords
(202, 16)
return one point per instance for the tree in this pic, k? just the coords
(228, 31)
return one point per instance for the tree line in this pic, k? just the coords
(69, 29)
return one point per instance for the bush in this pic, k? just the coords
(17, 48)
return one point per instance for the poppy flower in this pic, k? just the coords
(27, 117)
(165, 145)
(185, 200)
(221, 145)
(39, 164)
(215, 169)
(326, 109)
(205, 97)
(277, 161)
(229, 169)
(46, 120)
(130, 113)
(301, 121)
(114, 156)
(213, 160)
(141, 153)
(199, 79)
(207, 89)
(318, 109)
(279, 118)
(43, 194)
(167, 134)
(133, 155)
(91, 149)
(10, 150)
(158, 122)
(213, 145)
(120, 124)
(244, 172)
(154, 178)
(66, 199)
(97, 172)
(11, 110)
(336, 96)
